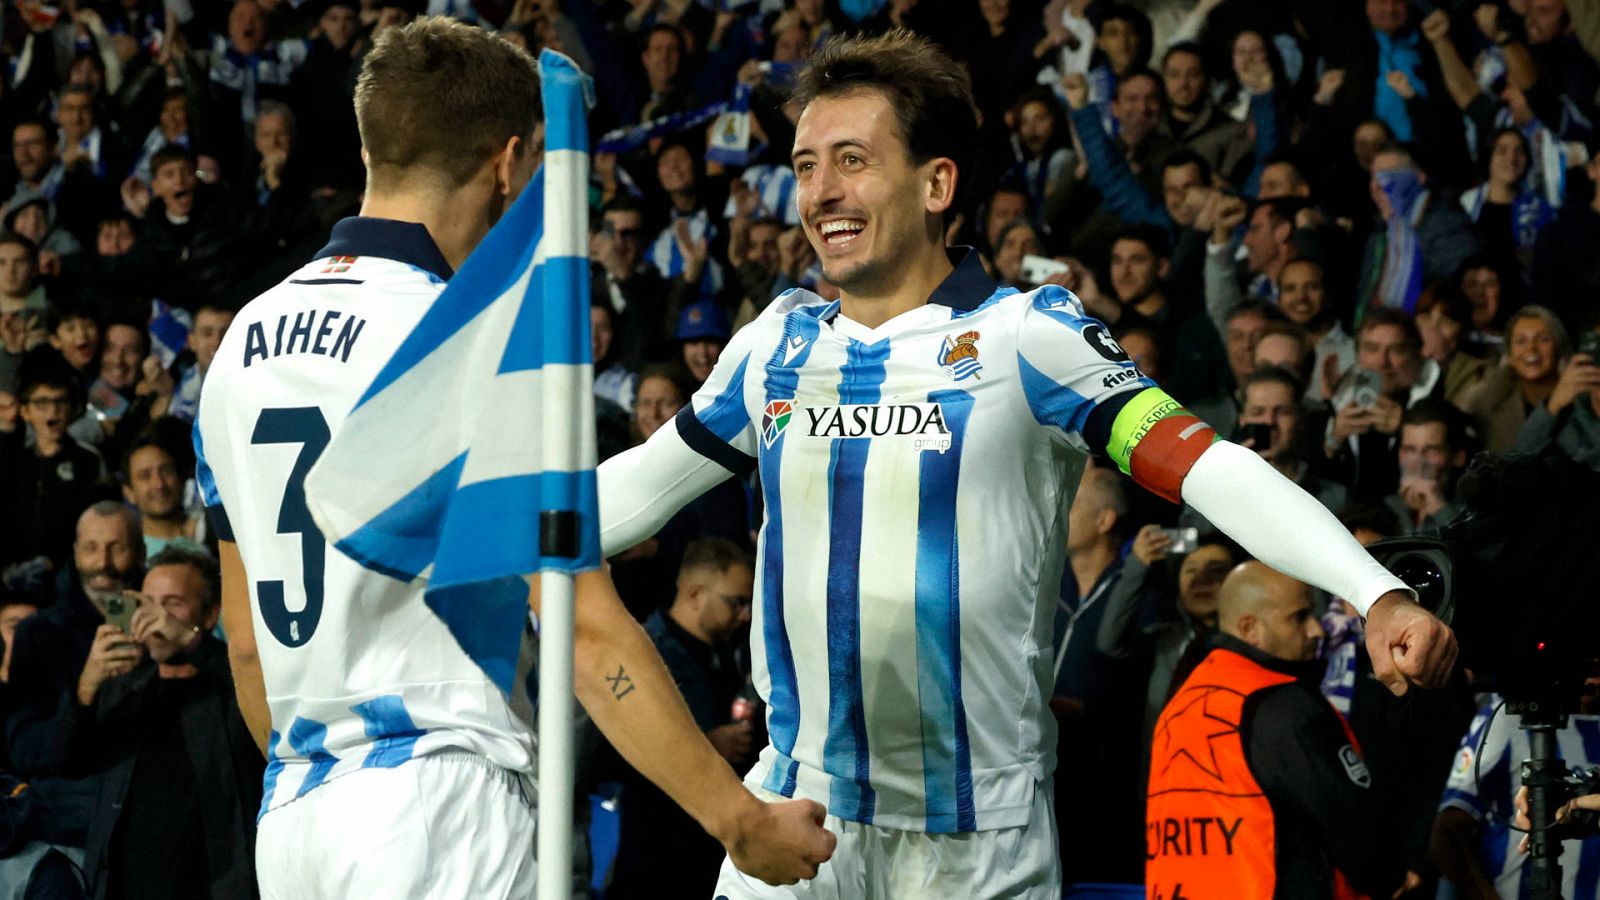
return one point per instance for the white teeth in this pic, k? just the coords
(839, 225)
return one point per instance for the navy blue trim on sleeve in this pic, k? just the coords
(217, 521)
(702, 441)
(1097, 428)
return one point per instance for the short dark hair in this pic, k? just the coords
(1458, 430)
(147, 438)
(931, 96)
(622, 202)
(442, 97)
(1161, 86)
(43, 376)
(1189, 47)
(1371, 517)
(1381, 316)
(1282, 209)
(1266, 311)
(171, 153)
(713, 554)
(1275, 375)
(1149, 235)
(196, 559)
(1122, 12)
(47, 126)
(11, 237)
(1187, 157)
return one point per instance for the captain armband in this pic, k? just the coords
(1156, 441)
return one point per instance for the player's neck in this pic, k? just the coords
(908, 289)
(455, 220)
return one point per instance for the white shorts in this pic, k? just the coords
(1020, 863)
(447, 825)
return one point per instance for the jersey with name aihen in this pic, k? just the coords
(359, 672)
(916, 480)
(1484, 780)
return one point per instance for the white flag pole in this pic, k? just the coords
(556, 769)
(566, 448)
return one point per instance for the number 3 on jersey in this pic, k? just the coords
(303, 425)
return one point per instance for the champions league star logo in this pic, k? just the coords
(959, 357)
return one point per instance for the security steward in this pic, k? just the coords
(1257, 786)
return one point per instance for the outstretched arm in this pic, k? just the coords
(622, 683)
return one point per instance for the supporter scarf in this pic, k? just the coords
(730, 136)
(1529, 213)
(1547, 159)
(621, 140)
(1401, 279)
(153, 142)
(775, 186)
(1397, 53)
(1343, 634)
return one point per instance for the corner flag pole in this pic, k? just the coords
(568, 438)
(556, 726)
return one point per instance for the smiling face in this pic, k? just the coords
(1531, 350)
(1300, 292)
(864, 204)
(124, 351)
(1137, 108)
(1185, 78)
(1200, 577)
(675, 169)
(1509, 160)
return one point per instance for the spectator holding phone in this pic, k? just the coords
(1566, 421)
(1269, 423)
(182, 781)
(1536, 348)
(1390, 376)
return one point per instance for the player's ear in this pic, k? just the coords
(941, 185)
(505, 165)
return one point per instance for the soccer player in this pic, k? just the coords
(395, 766)
(918, 442)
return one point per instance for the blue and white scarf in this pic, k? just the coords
(1401, 282)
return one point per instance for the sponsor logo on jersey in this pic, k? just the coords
(958, 356)
(1104, 344)
(338, 264)
(774, 419)
(1123, 377)
(921, 425)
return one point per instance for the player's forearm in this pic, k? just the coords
(1283, 526)
(642, 488)
(250, 690)
(620, 680)
(249, 686)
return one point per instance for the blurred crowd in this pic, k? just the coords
(1355, 235)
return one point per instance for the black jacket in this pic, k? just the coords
(128, 728)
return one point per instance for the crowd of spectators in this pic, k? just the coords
(1356, 235)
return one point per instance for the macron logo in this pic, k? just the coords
(796, 344)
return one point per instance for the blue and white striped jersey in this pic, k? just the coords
(359, 671)
(1490, 800)
(916, 480)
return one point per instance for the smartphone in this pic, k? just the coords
(1184, 540)
(1260, 433)
(1589, 344)
(1368, 388)
(120, 610)
(1036, 269)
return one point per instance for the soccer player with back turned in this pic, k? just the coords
(395, 766)
(918, 442)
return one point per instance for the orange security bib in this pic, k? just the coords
(1209, 829)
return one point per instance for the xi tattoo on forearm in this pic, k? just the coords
(621, 684)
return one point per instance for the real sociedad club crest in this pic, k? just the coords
(774, 419)
(959, 356)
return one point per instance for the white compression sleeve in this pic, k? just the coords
(642, 488)
(1283, 526)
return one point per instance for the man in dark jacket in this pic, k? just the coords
(659, 840)
(182, 782)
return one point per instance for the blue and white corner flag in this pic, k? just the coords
(484, 417)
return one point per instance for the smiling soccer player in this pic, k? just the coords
(919, 442)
